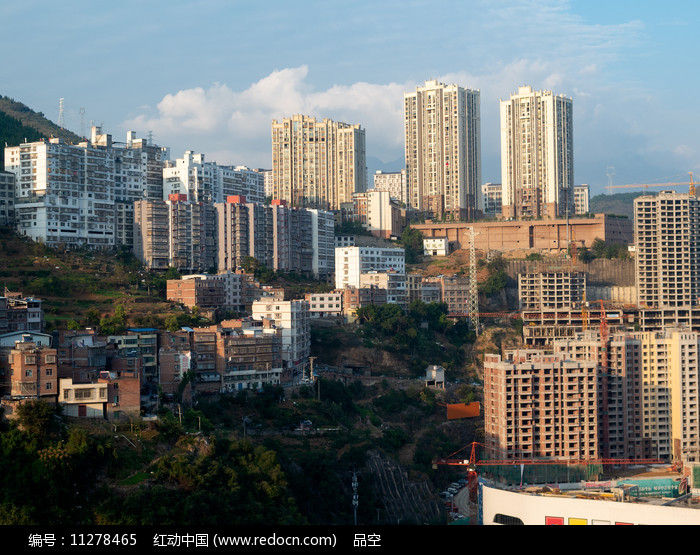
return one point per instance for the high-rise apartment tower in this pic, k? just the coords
(537, 155)
(317, 164)
(443, 149)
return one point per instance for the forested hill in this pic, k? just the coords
(621, 204)
(19, 123)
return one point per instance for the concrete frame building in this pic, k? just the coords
(537, 155)
(443, 149)
(551, 291)
(317, 164)
(539, 405)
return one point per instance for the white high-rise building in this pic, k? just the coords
(317, 164)
(537, 155)
(64, 193)
(83, 195)
(204, 181)
(443, 149)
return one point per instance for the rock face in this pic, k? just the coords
(405, 501)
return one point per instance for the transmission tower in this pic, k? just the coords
(60, 113)
(82, 122)
(473, 303)
(610, 173)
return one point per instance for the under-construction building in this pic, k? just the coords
(539, 405)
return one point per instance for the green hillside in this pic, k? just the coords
(621, 204)
(19, 123)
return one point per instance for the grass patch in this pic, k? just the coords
(135, 479)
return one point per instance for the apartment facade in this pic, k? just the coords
(81, 195)
(293, 321)
(648, 391)
(377, 212)
(537, 155)
(443, 149)
(249, 355)
(394, 183)
(176, 233)
(204, 181)
(279, 237)
(492, 200)
(582, 195)
(393, 283)
(64, 193)
(317, 163)
(7, 198)
(351, 262)
(667, 241)
(325, 305)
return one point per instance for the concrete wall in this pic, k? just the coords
(535, 509)
(537, 235)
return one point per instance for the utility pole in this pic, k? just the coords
(355, 497)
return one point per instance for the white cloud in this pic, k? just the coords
(236, 125)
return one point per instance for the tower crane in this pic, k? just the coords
(691, 185)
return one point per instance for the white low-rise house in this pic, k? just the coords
(325, 305)
(436, 246)
(83, 399)
(435, 376)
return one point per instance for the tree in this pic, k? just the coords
(412, 241)
(38, 418)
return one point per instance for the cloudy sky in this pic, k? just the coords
(210, 75)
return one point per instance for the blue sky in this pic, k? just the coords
(209, 76)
